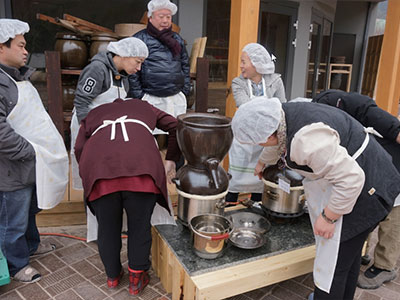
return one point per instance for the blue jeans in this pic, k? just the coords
(19, 236)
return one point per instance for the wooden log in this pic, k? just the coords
(46, 18)
(202, 84)
(92, 26)
(53, 73)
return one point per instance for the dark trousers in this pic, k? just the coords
(347, 270)
(108, 211)
(233, 197)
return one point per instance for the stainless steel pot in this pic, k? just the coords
(277, 200)
(190, 206)
(210, 233)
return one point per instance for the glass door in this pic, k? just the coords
(277, 31)
(319, 46)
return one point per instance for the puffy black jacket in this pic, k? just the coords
(365, 110)
(162, 75)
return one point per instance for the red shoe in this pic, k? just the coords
(137, 281)
(113, 282)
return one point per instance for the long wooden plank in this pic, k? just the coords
(65, 207)
(67, 219)
(194, 54)
(202, 84)
(88, 24)
(46, 18)
(178, 275)
(202, 49)
(54, 104)
(253, 275)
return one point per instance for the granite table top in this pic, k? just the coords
(280, 238)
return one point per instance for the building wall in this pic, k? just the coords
(351, 18)
(191, 20)
(2, 9)
(325, 8)
(5, 9)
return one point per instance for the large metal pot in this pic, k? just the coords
(277, 199)
(190, 205)
(210, 233)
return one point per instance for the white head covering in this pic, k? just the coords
(260, 58)
(155, 5)
(129, 47)
(255, 121)
(301, 99)
(9, 28)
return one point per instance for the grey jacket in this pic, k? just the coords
(17, 156)
(95, 80)
(273, 85)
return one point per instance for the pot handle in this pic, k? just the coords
(212, 166)
(215, 237)
(220, 237)
(302, 199)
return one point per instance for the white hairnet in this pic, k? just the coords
(301, 99)
(255, 121)
(9, 28)
(260, 58)
(129, 47)
(155, 5)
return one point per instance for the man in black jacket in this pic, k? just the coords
(365, 110)
(164, 79)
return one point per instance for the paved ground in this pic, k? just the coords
(74, 272)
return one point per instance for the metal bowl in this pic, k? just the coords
(247, 238)
(250, 221)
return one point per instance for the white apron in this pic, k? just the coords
(108, 96)
(318, 193)
(30, 120)
(174, 105)
(243, 159)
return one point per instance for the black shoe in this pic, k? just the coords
(365, 260)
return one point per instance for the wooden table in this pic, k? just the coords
(217, 279)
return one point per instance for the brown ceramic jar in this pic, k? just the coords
(204, 140)
(99, 42)
(73, 50)
(204, 136)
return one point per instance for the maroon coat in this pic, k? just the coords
(102, 158)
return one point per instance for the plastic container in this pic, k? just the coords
(4, 274)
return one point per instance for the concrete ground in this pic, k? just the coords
(74, 271)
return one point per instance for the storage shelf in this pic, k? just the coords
(70, 72)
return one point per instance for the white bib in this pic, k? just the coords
(30, 120)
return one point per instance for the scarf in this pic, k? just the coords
(165, 36)
(281, 135)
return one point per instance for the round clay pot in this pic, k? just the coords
(200, 181)
(68, 93)
(204, 138)
(73, 51)
(99, 42)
